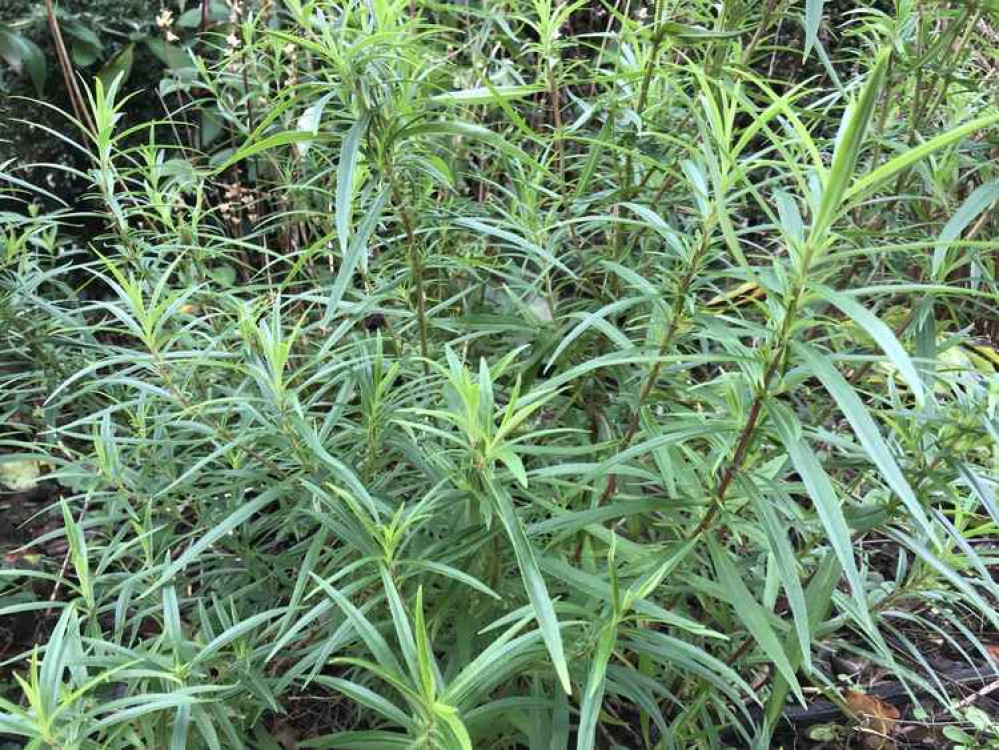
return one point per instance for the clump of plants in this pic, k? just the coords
(520, 375)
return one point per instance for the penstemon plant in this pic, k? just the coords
(507, 375)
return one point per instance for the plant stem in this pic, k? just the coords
(415, 269)
(665, 344)
(658, 35)
(76, 98)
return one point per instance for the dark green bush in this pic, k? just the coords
(519, 375)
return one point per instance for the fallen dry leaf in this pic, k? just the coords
(877, 720)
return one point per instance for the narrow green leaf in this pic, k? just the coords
(137, 706)
(400, 620)
(448, 571)
(866, 431)
(369, 698)
(512, 461)
(974, 205)
(181, 728)
(752, 615)
(231, 522)
(56, 659)
(905, 160)
(818, 599)
(364, 740)
(823, 496)
(119, 66)
(848, 148)
(515, 240)
(534, 582)
(362, 626)
(485, 95)
(497, 661)
(468, 130)
(813, 19)
(881, 334)
(453, 721)
(236, 631)
(35, 64)
(349, 153)
(688, 33)
(78, 553)
(593, 694)
(787, 566)
(270, 142)
(356, 251)
(427, 666)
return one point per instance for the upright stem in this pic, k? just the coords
(415, 269)
(753, 418)
(971, 21)
(761, 29)
(665, 344)
(930, 103)
(658, 34)
(752, 421)
(556, 106)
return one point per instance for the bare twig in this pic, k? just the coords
(66, 66)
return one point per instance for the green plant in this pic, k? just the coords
(981, 731)
(514, 376)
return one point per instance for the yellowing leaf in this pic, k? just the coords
(741, 295)
(20, 476)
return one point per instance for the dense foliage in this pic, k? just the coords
(495, 375)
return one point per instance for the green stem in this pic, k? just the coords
(665, 344)
(416, 269)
